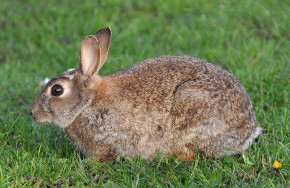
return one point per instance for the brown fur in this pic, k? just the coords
(169, 105)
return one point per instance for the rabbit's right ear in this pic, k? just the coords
(94, 51)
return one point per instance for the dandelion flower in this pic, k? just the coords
(277, 165)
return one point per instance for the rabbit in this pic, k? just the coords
(171, 105)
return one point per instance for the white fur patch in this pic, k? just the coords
(44, 82)
(71, 69)
(252, 138)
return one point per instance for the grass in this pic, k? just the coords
(42, 38)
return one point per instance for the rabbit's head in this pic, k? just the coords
(64, 97)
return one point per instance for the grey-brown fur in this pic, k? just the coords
(170, 105)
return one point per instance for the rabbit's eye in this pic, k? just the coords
(57, 90)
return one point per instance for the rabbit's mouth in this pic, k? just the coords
(40, 117)
(41, 120)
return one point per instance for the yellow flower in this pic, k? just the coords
(277, 165)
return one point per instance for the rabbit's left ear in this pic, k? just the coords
(104, 37)
(94, 51)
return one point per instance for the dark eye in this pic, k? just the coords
(57, 90)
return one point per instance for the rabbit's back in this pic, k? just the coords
(172, 82)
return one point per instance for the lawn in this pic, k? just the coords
(41, 39)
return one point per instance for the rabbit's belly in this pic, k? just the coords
(141, 135)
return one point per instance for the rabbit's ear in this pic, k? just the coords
(104, 37)
(94, 51)
(90, 57)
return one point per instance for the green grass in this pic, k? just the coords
(42, 38)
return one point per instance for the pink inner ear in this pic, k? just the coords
(90, 54)
(89, 59)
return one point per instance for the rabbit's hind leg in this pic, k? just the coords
(186, 152)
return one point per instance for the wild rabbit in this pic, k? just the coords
(169, 105)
